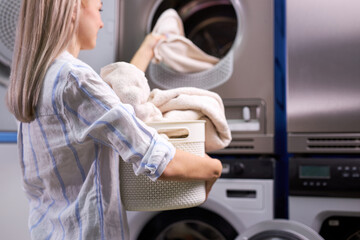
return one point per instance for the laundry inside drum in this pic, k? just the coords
(211, 25)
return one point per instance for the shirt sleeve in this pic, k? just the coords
(94, 112)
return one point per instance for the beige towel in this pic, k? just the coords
(176, 51)
(131, 86)
(189, 103)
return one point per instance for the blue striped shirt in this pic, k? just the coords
(70, 155)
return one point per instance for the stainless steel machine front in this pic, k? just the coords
(323, 83)
(240, 33)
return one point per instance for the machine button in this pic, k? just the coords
(239, 168)
(346, 174)
(324, 184)
(355, 175)
(339, 168)
(305, 184)
(354, 168)
(346, 168)
(311, 183)
(246, 114)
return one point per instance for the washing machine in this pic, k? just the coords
(241, 34)
(324, 194)
(104, 53)
(242, 197)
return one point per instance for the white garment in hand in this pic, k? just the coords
(176, 51)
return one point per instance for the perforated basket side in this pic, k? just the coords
(139, 193)
(167, 78)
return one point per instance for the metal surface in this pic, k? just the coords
(253, 62)
(323, 54)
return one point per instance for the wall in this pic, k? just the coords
(13, 203)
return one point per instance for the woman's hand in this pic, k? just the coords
(186, 166)
(145, 52)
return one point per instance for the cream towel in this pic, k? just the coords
(131, 86)
(189, 103)
(176, 51)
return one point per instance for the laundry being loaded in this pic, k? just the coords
(186, 103)
(176, 51)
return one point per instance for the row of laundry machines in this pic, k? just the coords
(288, 76)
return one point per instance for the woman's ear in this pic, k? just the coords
(82, 4)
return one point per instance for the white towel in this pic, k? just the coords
(189, 103)
(176, 51)
(131, 86)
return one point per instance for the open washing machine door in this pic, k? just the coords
(279, 230)
(215, 26)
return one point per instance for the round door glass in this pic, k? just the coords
(209, 24)
(190, 229)
(193, 223)
(275, 235)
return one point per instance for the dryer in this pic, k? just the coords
(242, 197)
(324, 194)
(241, 34)
(104, 53)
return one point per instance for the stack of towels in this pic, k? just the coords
(187, 103)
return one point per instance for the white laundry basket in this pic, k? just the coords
(139, 193)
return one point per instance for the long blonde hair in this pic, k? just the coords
(44, 30)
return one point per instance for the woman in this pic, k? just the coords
(73, 127)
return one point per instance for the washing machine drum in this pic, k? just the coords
(9, 11)
(192, 223)
(215, 26)
(279, 230)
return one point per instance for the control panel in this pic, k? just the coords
(247, 168)
(334, 177)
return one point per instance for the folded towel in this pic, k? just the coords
(189, 103)
(131, 86)
(176, 51)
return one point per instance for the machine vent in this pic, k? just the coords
(334, 143)
(239, 145)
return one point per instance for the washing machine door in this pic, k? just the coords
(193, 223)
(9, 12)
(216, 27)
(279, 230)
(341, 227)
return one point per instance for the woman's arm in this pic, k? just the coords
(145, 53)
(187, 166)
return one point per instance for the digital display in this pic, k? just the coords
(315, 172)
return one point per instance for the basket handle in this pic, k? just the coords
(175, 133)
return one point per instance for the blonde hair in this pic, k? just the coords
(44, 30)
